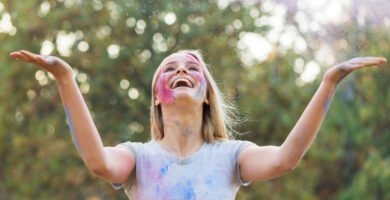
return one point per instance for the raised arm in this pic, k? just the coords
(112, 163)
(262, 163)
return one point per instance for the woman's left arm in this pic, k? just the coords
(261, 163)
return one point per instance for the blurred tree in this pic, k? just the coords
(115, 47)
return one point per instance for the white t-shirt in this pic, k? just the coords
(210, 173)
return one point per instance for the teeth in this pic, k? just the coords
(188, 83)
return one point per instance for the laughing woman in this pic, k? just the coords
(191, 154)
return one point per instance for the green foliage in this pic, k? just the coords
(348, 160)
(373, 180)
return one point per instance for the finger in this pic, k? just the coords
(364, 64)
(25, 58)
(380, 60)
(14, 54)
(19, 56)
(369, 62)
(356, 67)
(29, 55)
(360, 59)
(383, 61)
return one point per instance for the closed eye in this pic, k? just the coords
(193, 68)
(168, 69)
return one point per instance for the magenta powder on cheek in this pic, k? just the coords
(163, 91)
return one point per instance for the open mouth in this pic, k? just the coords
(181, 82)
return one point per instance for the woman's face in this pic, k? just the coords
(180, 78)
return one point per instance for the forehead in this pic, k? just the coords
(180, 57)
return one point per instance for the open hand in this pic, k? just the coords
(337, 73)
(52, 64)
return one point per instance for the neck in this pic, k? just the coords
(182, 129)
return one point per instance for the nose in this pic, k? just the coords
(181, 69)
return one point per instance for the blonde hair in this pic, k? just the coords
(218, 115)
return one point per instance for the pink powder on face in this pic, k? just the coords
(192, 58)
(163, 91)
(166, 94)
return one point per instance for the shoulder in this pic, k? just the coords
(231, 147)
(231, 144)
(136, 147)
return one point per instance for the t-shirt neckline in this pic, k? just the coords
(178, 160)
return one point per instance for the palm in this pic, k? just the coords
(52, 64)
(340, 71)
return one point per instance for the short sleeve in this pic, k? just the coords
(239, 146)
(132, 148)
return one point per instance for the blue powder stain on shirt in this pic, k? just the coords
(183, 190)
(209, 181)
(189, 193)
(158, 189)
(164, 170)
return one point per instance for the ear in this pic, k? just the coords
(206, 100)
(157, 100)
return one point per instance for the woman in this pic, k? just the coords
(190, 155)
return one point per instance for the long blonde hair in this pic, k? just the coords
(217, 114)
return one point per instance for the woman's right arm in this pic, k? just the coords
(114, 164)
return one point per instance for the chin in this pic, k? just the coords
(183, 93)
(186, 98)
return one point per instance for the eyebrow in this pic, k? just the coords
(193, 56)
(187, 62)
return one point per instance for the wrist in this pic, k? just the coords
(65, 78)
(329, 83)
